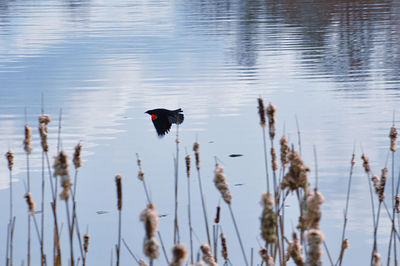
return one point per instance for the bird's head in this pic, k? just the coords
(152, 113)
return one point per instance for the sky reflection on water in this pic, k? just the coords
(333, 64)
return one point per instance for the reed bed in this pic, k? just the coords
(281, 240)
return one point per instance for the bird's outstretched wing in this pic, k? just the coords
(175, 117)
(162, 126)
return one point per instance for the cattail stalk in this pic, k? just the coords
(176, 225)
(187, 160)
(261, 112)
(368, 172)
(28, 150)
(86, 238)
(196, 149)
(118, 182)
(10, 159)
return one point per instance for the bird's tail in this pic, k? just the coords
(177, 117)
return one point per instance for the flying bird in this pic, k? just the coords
(163, 119)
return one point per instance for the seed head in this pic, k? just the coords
(77, 156)
(393, 138)
(366, 163)
(150, 247)
(28, 139)
(30, 202)
(222, 184)
(314, 238)
(261, 112)
(179, 252)
(207, 255)
(268, 218)
(118, 182)
(10, 159)
(61, 169)
(187, 160)
(150, 219)
(86, 238)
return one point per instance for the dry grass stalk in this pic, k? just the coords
(366, 163)
(261, 112)
(268, 218)
(28, 140)
(224, 250)
(222, 184)
(295, 251)
(376, 259)
(285, 151)
(10, 159)
(312, 214)
(61, 169)
(297, 175)
(266, 257)
(179, 252)
(44, 120)
(393, 138)
(86, 238)
(30, 202)
(207, 255)
(118, 182)
(314, 238)
(77, 156)
(271, 111)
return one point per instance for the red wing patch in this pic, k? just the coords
(153, 117)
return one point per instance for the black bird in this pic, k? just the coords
(163, 119)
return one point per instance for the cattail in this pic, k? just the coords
(312, 214)
(77, 156)
(44, 120)
(10, 159)
(268, 218)
(217, 215)
(196, 147)
(224, 250)
(28, 139)
(179, 252)
(261, 112)
(150, 219)
(297, 175)
(271, 110)
(366, 163)
(30, 202)
(150, 247)
(285, 151)
(61, 169)
(221, 184)
(377, 182)
(376, 259)
(141, 175)
(187, 160)
(265, 257)
(274, 160)
(207, 255)
(353, 161)
(118, 182)
(397, 203)
(393, 138)
(86, 238)
(143, 263)
(295, 251)
(314, 238)
(345, 245)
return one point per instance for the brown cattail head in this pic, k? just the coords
(297, 175)
(179, 252)
(10, 159)
(77, 156)
(118, 182)
(207, 255)
(295, 251)
(366, 163)
(353, 161)
(345, 244)
(224, 249)
(222, 184)
(271, 111)
(150, 219)
(217, 215)
(266, 257)
(314, 239)
(274, 160)
(141, 175)
(61, 169)
(261, 112)
(397, 203)
(196, 147)
(86, 238)
(379, 184)
(30, 202)
(393, 138)
(376, 259)
(44, 120)
(268, 218)
(313, 210)
(187, 160)
(150, 247)
(285, 151)
(28, 139)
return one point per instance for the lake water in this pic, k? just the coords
(332, 64)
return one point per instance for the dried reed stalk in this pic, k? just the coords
(187, 160)
(118, 182)
(261, 112)
(27, 143)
